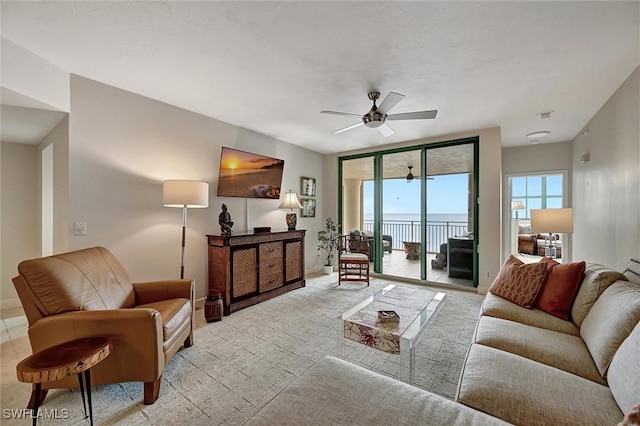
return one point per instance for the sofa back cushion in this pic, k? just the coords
(610, 321)
(89, 279)
(624, 372)
(596, 280)
(632, 270)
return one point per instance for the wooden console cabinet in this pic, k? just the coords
(249, 268)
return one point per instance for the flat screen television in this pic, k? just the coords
(247, 175)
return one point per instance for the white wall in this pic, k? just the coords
(490, 173)
(26, 73)
(20, 205)
(122, 146)
(59, 138)
(606, 190)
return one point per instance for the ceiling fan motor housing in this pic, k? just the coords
(374, 119)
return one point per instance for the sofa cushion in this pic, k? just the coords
(624, 372)
(519, 282)
(336, 392)
(632, 270)
(560, 288)
(521, 391)
(560, 350)
(83, 280)
(610, 321)
(498, 307)
(596, 280)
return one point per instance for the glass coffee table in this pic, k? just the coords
(416, 309)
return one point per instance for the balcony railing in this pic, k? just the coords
(406, 230)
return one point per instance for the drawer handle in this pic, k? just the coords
(270, 250)
(271, 281)
(271, 265)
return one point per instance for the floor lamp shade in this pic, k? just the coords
(185, 194)
(290, 201)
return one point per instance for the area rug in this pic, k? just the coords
(239, 364)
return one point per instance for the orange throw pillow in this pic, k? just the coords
(561, 287)
(519, 282)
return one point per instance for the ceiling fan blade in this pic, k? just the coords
(386, 130)
(389, 102)
(348, 114)
(418, 115)
(353, 126)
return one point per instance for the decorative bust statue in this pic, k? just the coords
(225, 221)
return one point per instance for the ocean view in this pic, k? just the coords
(415, 217)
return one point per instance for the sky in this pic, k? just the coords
(446, 194)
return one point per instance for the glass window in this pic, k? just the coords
(534, 185)
(519, 186)
(554, 185)
(554, 203)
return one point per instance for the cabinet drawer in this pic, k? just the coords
(270, 266)
(270, 250)
(270, 281)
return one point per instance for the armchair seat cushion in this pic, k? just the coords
(174, 313)
(354, 257)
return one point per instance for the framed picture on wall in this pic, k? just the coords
(307, 186)
(308, 207)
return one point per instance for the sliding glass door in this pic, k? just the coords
(418, 207)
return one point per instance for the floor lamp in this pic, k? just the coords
(552, 221)
(185, 194)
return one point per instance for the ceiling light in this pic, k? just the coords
(540, 134)
(410, 175)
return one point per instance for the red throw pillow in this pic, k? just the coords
(519, 282)
(561, 287)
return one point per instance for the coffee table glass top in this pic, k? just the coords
(416, 308)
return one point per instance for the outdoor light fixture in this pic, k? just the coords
(410, 175)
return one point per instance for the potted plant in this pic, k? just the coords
(328, 241)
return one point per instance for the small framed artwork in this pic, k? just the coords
(307, 186)
(308, 207)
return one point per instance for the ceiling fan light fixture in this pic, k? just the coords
(410, 175)
(539, 134)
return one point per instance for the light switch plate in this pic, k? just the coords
(79, 228)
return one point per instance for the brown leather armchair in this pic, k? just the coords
(87, 293)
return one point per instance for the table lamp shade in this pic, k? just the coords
(517, 205)
(552, 220)
(290, 201)
(185, 193)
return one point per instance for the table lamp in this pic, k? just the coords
(552, 221)
(517, 205)
(290, 201)
(185, 194)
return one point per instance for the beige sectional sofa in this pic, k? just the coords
(528, 367)
(524, 367)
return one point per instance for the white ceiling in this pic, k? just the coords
(273, 66)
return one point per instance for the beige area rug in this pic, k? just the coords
(239, 364)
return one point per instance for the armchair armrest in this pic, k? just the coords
(155, 291)
(136, 335)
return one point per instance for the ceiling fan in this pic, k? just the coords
(378, 115)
